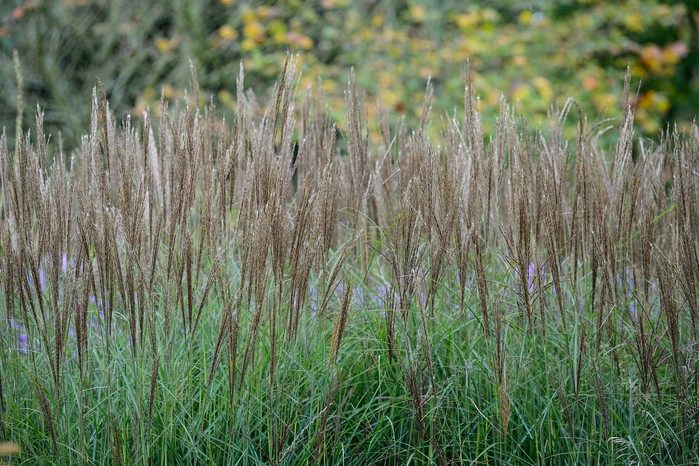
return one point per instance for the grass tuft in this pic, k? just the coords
(275, 289)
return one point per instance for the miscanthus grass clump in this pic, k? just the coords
(275, 289)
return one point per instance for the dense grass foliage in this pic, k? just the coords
(278, 290)
(537, 52)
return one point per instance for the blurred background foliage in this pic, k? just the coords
(535, 51)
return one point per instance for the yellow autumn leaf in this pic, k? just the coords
(248, 45)
(227, 2)
(276, 26)
(163, 45)
(652, 57)
(278, 37)
(305, 42)
(377, 20)
(520, 60)
(525, 17)
(253, 30)
(661, 103)
(227, 99)
(228, 32)
(263, 12)
(543, 87)
(390, 97)
(661, 12)
(386, 79)
(298, 40)
(417, 13)
(655, 101)
(521, 92)
(168, 91)
(249, 16)
(634, 22)
(637, 71)
(277, 31)
(605, 101)
(329, 85)
(467, 21)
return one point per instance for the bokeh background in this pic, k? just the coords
(537, 52)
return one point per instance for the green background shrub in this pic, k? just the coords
(538, 52)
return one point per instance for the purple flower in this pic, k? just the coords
(313, 298)
(629, 277)
(18, 331)
(42, 279)
(359, 295)
(531, 274)
(23, 343)
(379, 296)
